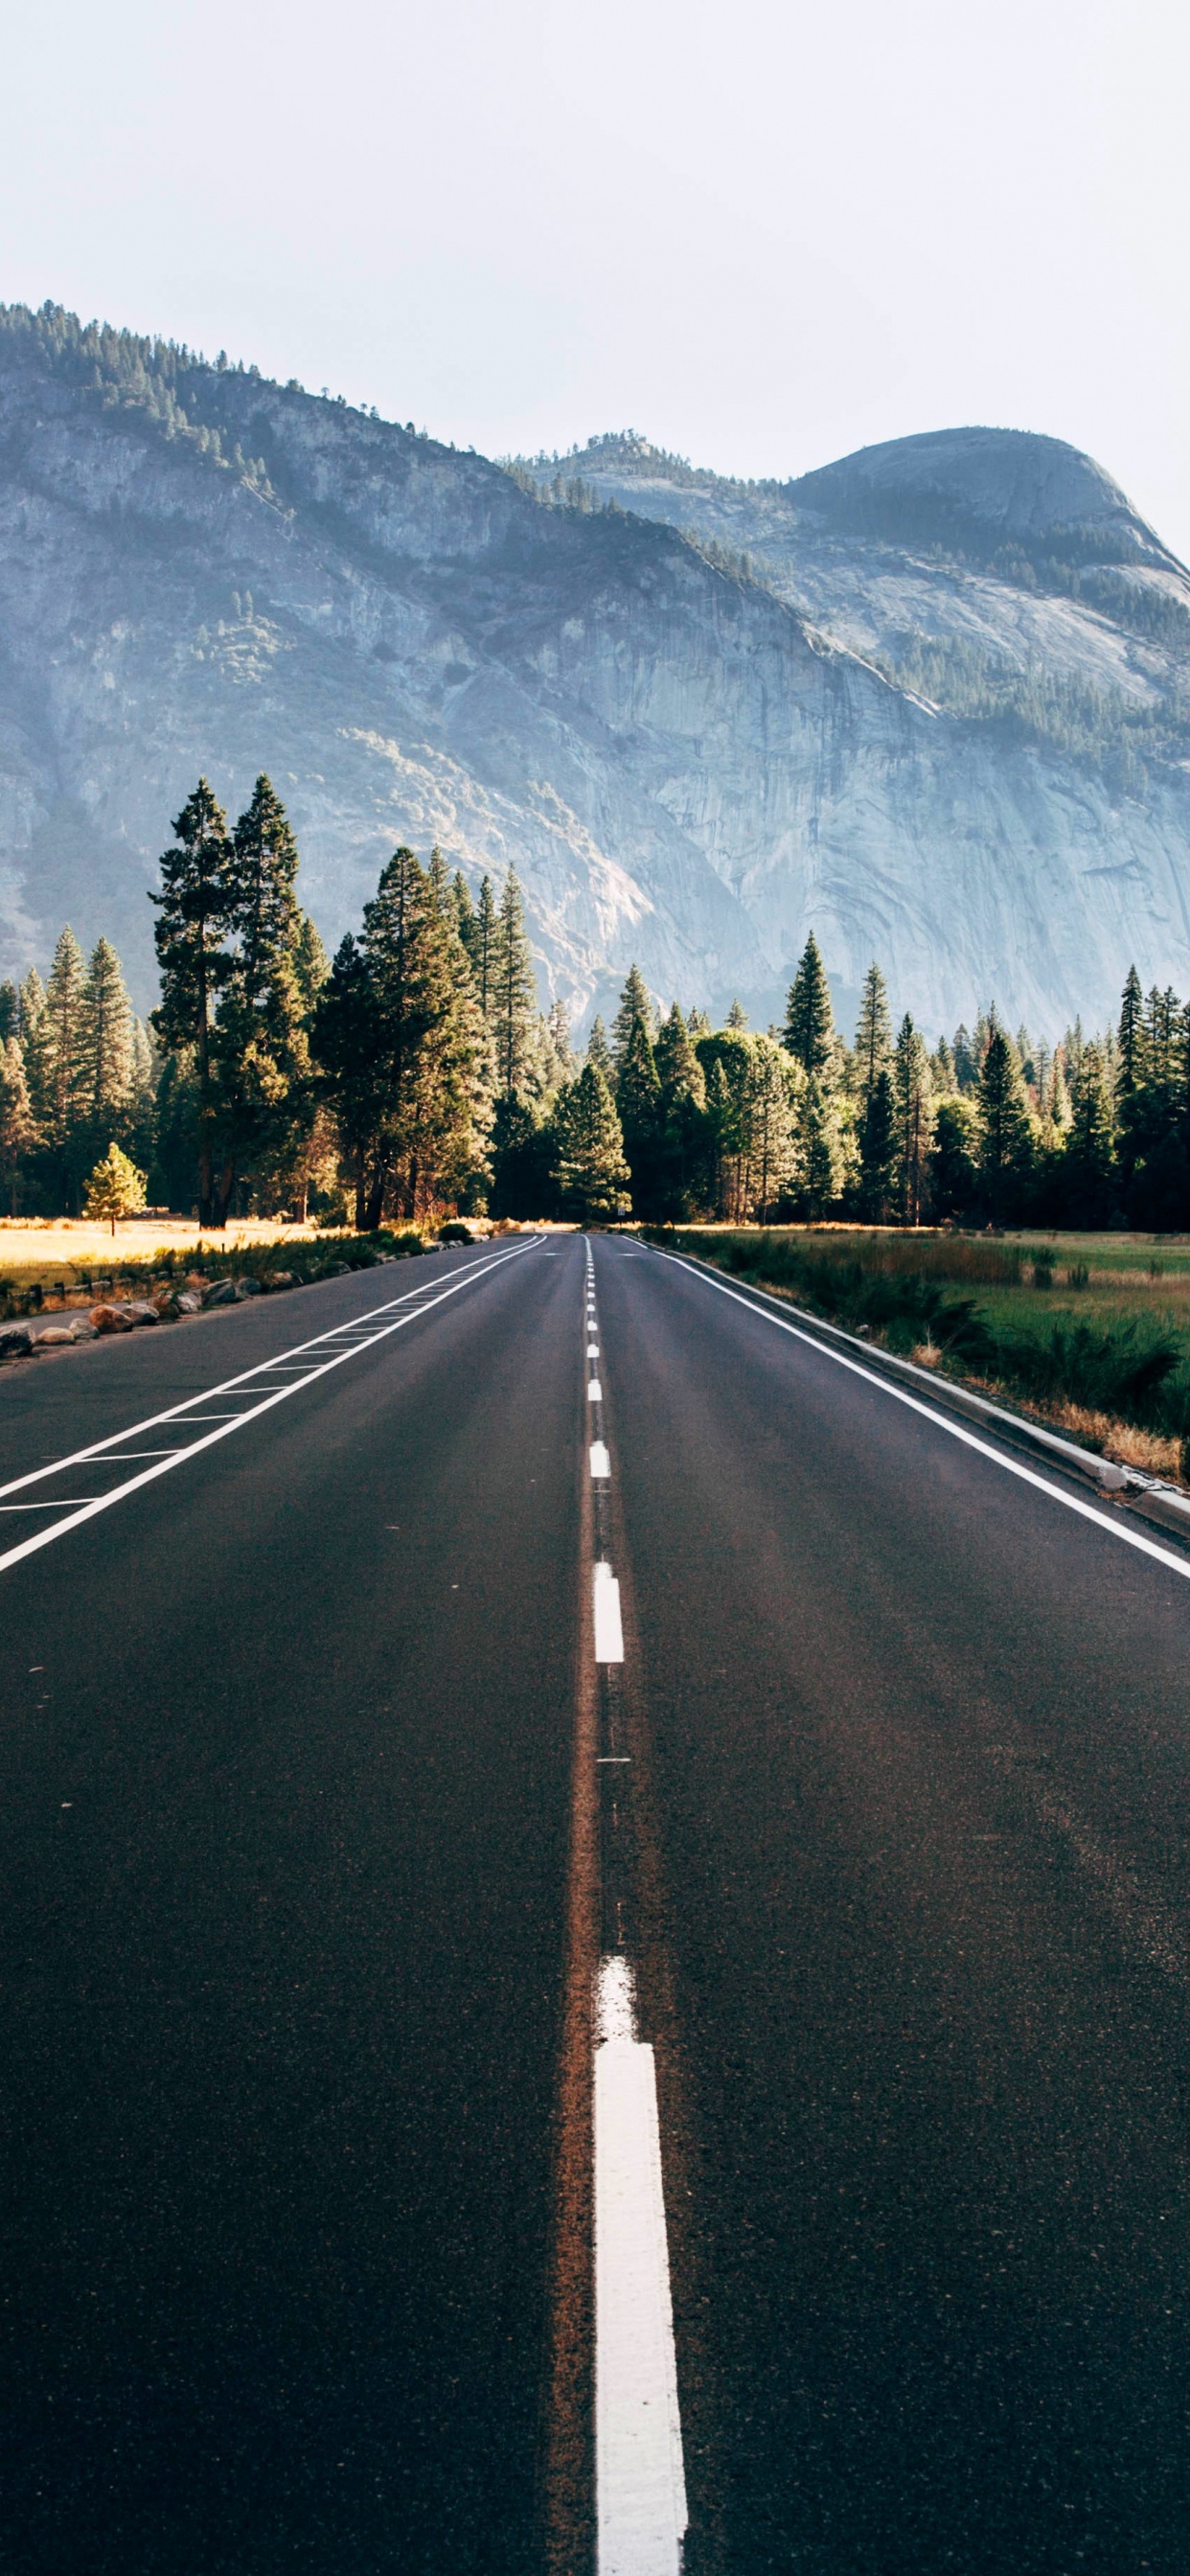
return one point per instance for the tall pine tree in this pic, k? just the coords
(513, 1003)
(195, 908)
(873, 1035)
(809, 1021)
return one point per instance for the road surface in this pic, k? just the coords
(579, 1964)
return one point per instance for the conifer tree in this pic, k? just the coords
(879, 1152)
(638, 1107)
(809, 1022)
(1006, 1137)
(954, 1165)
(257, 1053)
(116, 1188)
(698, 1025)
(822, 1159)
(683, 1112)
(635, 1004)
(599, 1053)
(18, 1127)
(512, 1007)
(737, 1017)
(10, 1012)
(1130, 1077)
(771, 1106)
(482, 946)
(873, 1035)
(66, 1034)
(107, 1034)
(195, 912)
(465, 917)
(913, 1097)
(558, 1049)
(591, 1173)
(36, 1050)
(1090, 1158)
(311, 965)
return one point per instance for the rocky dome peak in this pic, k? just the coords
(994, 486)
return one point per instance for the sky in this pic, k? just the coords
(763, 234)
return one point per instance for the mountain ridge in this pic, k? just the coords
(691, 758)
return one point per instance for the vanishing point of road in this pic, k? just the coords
(595, 1954)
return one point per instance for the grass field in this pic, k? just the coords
(40, 1252)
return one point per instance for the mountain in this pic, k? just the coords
(933, 701)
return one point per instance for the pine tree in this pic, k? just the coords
(809, 1023)
(66, 1033)
(821, 1150)
(465, 916)
(635, 1004)
(195, 909)
(638, 1107)
(107, 1027)
(879, 1152)
(599, 1053)
(771, 1106)
(1090, 1158)
(558, 1049)
(590, 1170)
(698, 1025)
(913, 1098)
(116, 1188)
(965, 1067)
(737, 1017)
(1131, 1077)
(513, 1002)
(18, 1127)
(10, 1012)
(873, 1035)
(36, 1050)
(682, 1120)
(1006, 1137)
(482, 948)
(311, 966)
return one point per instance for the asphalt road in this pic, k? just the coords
(289, 1848)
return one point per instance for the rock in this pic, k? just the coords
(141, 1311)
(53, 1337)
(16, 1340)
(248, 1286)
(223, 1292)
(81, 1328)
(187, 1302)
(111, 1319)
(274, 1279)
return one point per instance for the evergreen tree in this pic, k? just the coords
(913, 1097)
(772, 1103)
(107, 1040)
(683, 1113)
(1006, 1137)
(10, 1012)
(880, 1152)
(66, 1031)
(821, 1151)
(116, 1188)
(737, 1017)
(560, 1053)
(635, 1005)
(873, 1035)
(943, 1068)
(590, 1170)
(1090, 1158)
(195, 911)
(599, 1053)
(465, 916)
(698, 1025)
(809, 1023)
(346, 1044)
(482, 946)
(18, 1127)
(513, 1002)
(638, 1107)
(966, 1069)
(311, 965)
(36, 1050)
(1130, 1077)
(257, 1052)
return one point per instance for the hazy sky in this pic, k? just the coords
(764, 234)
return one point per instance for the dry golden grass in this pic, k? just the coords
(51, 1248)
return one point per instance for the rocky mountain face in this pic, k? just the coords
(933, 701)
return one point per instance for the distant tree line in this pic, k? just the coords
(415, 1075)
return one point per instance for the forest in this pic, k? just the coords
(413, 1077)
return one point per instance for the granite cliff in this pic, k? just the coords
(931, 701)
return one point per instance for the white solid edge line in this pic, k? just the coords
(640, 2485)
(175, 1457)
(942, 1422)
(182, 1412)
(601, 1464)
(609, 1634)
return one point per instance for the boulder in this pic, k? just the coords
(141, 1311)
(223, 1292)
(16, 1340)
(111, 1319)
(248, 1286)
(187, 1302)
(274, 1279)
(53, 1337)
(81, 1328)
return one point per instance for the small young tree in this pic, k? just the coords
(116, 1188)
